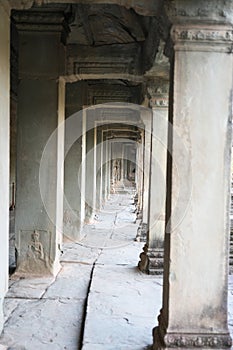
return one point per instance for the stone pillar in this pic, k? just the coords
(98, 169)
(105, 166)
(146, 117)
(194, 312)
(72, 180)
(72, 225)
(4, 151)
(39, 195)
(140, 156)
(90, 173)
(122, 162)
(83, 167)
(152, 257)
(94, 201)
(108, 145)
(101, 167)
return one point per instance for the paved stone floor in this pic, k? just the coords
(98, 301)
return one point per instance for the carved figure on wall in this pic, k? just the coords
(35, 247)
(36, 259)
(116, 171)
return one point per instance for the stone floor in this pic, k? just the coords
(98, 301)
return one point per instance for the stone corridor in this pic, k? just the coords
(99, 300)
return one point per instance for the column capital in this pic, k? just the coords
(200, 25)
(209, 11)
(204, 37)
(158, 90)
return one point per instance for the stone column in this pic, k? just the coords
(72, 225)
(122, 162)
(105, 165)
(90, 173)
(101, 166)
(94, 171)
(72, 177)
(152, 257)
(108, 168)
(140, 156)
(194, 312)
(83, 167)
(98, 169)
(39, 194)
(146, 117)
(4, 151)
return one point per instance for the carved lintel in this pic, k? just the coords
(190, 340)
(188, 37)
(35, 20)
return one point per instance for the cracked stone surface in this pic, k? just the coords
(98, 301)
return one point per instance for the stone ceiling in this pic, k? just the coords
(96, 25)
(115, 40)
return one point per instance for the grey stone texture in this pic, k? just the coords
(98, 300)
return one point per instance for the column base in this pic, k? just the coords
(163, 340)
(151, 260)
(141, 233)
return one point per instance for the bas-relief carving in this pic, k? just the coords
(34, 248)
(116, 170)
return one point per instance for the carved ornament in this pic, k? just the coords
(208, 38)
(190, 340)
(216, 34)
(206, 341)
(158, 91)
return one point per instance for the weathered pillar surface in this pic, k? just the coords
(4, 151)
(72, 183)
(152, 257)
(146, 117)
(108, 164)
(140, 157)
(105, 166)
(38, 228)
(98, 168)
(72, 225)
(194, 313)
(90, 175)
(82, 172)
